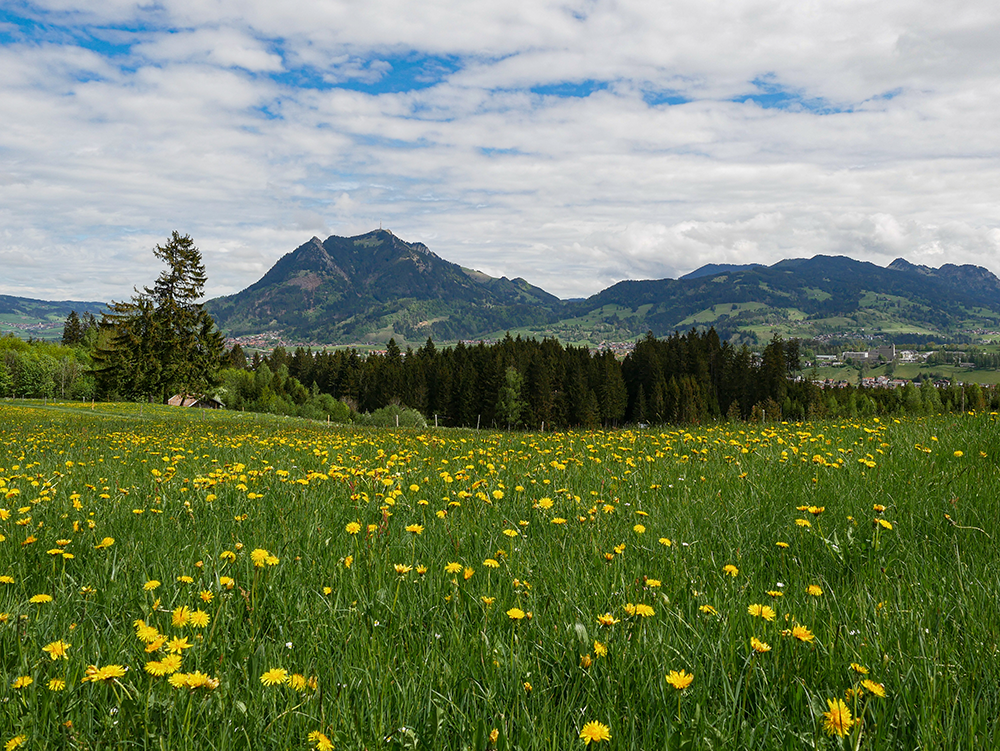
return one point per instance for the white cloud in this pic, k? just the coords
(202, 127)
(223, 47)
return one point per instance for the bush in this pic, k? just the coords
(386, 417)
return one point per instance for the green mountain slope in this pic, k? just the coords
(805, 297)
(349, 289)
(40, 319)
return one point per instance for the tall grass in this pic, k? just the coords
(421, 657)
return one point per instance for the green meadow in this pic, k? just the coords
(204, 580)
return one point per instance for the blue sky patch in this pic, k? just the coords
(658, 98)
(20, 28)
(575, 89)
(772, 95)
(403, 73)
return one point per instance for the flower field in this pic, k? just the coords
(176, 580)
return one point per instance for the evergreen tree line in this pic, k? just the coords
(689, 378)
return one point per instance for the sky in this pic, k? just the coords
(574, 143)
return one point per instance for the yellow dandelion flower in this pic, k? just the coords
(708, 609)
(859, 669)
(199, 618)
(600, 650)
(595, 732)
(814, 590)
(491, 563)
(15, 742)
(40, 599)
(274, 677)
(156, 644)
(103, 674)
(178, 680)
(515, 614)
(402, 569)
(172, 663)
(762, 611)
(56, 684)
(320, 742)
(155, 667)
(57, 649)
(178, 644)
(837, 721)
(415, 529)
(759, 646)
(644, 610)
(803, 634)
(876, 688)
(180, 616)
(680, 680)
(607, 619)
(151, 585)
(730, 569)
(453, 568)
(22, 682)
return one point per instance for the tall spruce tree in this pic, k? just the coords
(73, 329)
(162, 341)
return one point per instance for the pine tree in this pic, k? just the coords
(73, 330)
(162, 341)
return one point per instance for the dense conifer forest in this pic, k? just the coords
(682, 379)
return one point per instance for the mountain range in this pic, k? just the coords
(348, 290)
(370, 287)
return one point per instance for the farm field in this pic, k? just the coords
(181, 580)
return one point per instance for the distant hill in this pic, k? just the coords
(41, 319)
(806, 297)
(351, 289)
(712, 269)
